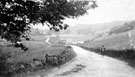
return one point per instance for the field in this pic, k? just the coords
(75, 38)
(37, 49)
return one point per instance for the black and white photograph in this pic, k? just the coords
(67, 38)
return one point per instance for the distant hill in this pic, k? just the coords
(95, 28)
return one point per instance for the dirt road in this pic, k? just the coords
(130, 40)
(89, 64)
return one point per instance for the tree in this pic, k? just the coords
(17, 15)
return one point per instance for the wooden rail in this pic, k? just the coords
(58, 59)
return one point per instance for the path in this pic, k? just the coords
(130, 40)
(47, 40)
(89, 64)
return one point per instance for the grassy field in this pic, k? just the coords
(75, 38)
(36, 49)
(37, 37)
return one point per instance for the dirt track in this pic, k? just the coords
(131, 40)
(89, 64)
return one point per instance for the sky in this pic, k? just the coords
(107, 11)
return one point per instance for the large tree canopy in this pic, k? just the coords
(17, 15)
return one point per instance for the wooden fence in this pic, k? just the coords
(58, 59)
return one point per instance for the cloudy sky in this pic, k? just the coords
(108, 10)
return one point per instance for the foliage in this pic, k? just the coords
(4, 65)
(17, 15)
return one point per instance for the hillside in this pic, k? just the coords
(115, 41)
(123, 28)
(118, 43)
(95, 28)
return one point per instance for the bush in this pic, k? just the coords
(5, 69)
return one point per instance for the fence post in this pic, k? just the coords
(58, 60)
(65, 57)
(54, 60)
(46, 56)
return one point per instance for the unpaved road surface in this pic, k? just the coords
(89, 64)
(130, 40)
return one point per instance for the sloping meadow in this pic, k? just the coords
(14, 61)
